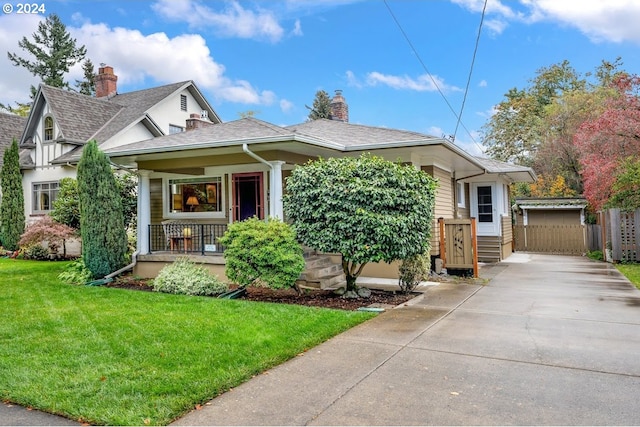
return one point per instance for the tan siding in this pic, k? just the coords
(443, 205)
(465, 213)
(155, 187)
(544, 217)
(507, 230)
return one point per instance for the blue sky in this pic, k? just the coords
(400, 64)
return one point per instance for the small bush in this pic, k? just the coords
(46, 230)
(262, 253)
(184, 277)
(76, 274)
(35, 252)
(596, 255)
(412, 271)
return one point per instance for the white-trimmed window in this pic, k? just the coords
(195, 195)
(48, 129)
(44, 193)
(175, 129)
(460, 195)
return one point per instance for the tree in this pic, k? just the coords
(606, 141)
(53, 50)
(625, 191)
(66, 207)
(12, 217)
(321, 108)
(20, 109)
(104, 240)
(366, 208)
(88, 85)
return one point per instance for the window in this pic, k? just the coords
(44, 193)
(48, 128)
(485, 204)
(195, 195)
(175, 129)
(183, 102)
(460, 196)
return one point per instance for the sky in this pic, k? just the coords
(437, 67)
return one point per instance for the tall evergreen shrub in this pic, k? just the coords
(104, 239)
(12, 206)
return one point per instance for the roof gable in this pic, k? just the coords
(11, 127)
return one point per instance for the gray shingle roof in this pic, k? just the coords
(11, 127)
(349, 134)
(497, 166)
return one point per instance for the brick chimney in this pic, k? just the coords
(339, 108)
(197, 121)
(106, 82)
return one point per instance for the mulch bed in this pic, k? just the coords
(309, 297)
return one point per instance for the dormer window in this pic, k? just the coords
(48, 128)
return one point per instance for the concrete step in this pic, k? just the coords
(314, 273)
(328, 282)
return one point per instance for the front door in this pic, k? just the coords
(483, 207)
(248, 198)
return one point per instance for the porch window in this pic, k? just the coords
(195, 195)
(44, 193)
(462, 203)
(48, 128)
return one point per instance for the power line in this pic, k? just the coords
(435, 83)
(473, 60)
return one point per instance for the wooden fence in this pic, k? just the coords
(458, 244)
(621, 235)
(561, 239)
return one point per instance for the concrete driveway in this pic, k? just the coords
(551, 340)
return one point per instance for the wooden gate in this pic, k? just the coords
(458, 244)
(560, 239)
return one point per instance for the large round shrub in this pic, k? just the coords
(186, 278)
(262, 253)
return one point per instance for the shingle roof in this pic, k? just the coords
(497, 166)
(222, 133)
(349, 134)
(11, 127)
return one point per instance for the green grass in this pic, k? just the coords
(120, 357)
(631, 272)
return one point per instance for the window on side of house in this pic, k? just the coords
(175, 129)
(460, 196)
(44, 193)
(47, 133)
(195, 195)
(183, 102)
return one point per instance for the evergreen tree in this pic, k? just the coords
(321, 106)
(104, 239)
(88, 85)
(12, 206)
(53, 50)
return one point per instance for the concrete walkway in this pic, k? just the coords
(549, 341)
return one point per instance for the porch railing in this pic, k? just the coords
(184, 237)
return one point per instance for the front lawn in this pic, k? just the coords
(121, 357)
(631, 272)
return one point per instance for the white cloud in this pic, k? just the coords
(423, 83)
(483, 83)
(15, 82)
(232, 21)
(135, 57)
(297, 28)
(611, 20)
(286, 106)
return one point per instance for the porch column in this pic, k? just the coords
(144, 211)
(275, 201)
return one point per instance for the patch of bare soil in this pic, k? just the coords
(309, 297)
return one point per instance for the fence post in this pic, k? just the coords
(474, 247)
(443, 255)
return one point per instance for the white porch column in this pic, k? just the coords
(144, 211)
(275, 200)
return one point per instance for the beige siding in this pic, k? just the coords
(544, 217)
(465, 212)
(444, 202)
(155, 187)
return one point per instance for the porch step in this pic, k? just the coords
(322, 273)
(489, 249)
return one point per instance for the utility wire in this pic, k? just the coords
(435, 83)
(473, 60)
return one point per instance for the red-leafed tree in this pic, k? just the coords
(605, 142)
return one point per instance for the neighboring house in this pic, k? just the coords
(201, 180)
(61, 122)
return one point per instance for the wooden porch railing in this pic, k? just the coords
(186, 237)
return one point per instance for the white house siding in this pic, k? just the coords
(168, 111)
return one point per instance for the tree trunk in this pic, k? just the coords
(351, 283)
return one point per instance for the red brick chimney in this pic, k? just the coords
(197, 121)
(339, 107)
(106, 82)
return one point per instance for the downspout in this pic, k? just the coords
(272, 201)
